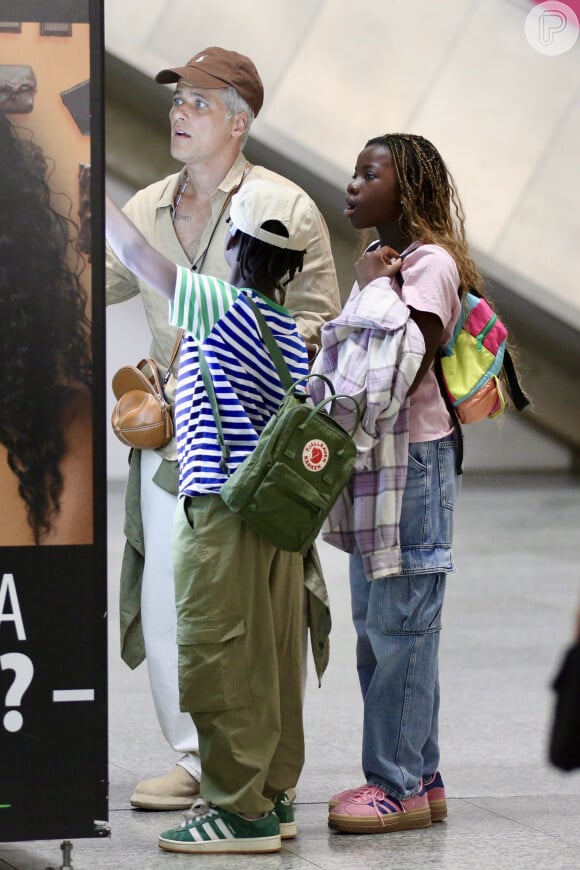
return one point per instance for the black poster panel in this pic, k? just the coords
(53, 605)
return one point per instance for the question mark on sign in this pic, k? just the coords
(23, 672)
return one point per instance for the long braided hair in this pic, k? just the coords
(44, 329)
(431, 208)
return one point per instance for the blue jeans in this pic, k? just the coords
(398, 622)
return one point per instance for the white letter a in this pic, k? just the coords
(8, 593)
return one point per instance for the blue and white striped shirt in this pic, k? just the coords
(217, 316)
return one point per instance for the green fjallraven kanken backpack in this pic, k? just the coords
(286, 487)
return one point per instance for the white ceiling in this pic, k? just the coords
(505, 117)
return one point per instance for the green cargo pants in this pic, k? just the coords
(240, 630)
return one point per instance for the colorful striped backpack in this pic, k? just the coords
(475, 367)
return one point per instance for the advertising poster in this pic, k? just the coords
(53, 655)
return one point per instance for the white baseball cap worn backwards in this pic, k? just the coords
(259, 201)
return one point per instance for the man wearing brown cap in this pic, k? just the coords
(218, 93)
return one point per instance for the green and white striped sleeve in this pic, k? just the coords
(199, 302)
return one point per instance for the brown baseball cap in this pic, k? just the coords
(218, 68)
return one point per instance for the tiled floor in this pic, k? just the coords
(509, 616)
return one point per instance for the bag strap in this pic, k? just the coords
(201, 259)
(273, 347)
(279, 364)
(319, 407)
(448, 403)
(210, 390)
(308, 377)
(517, 395)
(154, 381)
(437, 368)
(283, 373)
(174, 352)
(277, 359)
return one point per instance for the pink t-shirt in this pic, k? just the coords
(431, 283)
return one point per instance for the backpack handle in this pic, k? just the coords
(332, 398)
(305, 378)
(318, 407)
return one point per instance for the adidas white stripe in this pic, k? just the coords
(227, 834)
(209, 830)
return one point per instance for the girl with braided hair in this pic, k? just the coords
(45, 402)
(396, 516)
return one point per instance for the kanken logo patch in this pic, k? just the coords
(315, 455)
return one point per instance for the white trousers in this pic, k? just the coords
(158, 615)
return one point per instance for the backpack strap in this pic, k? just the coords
(210, 390)
(452, 413)
(517, 395)
(279, 363)
(448, 403)
(273, 347)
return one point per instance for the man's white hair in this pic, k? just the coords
(235, 104)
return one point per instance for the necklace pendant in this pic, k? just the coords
(179, 195)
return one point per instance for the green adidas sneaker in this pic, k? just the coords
(207, 828)
(285, 812)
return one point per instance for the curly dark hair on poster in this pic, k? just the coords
(44, 330)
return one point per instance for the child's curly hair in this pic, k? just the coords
(44, 330)
(264, 265)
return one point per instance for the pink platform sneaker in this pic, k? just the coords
(433, 786)
(345, 795)
(371, 811)
(436, 797)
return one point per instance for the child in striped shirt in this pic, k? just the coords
(239, 599)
